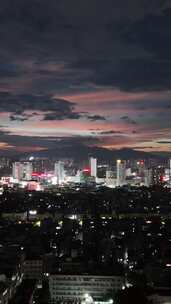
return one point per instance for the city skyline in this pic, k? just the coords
(85, 73)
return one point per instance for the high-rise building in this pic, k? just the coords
(41, 164)
(16, 170)
(27, 170)
(158, 175)
(154, 176)
(93, 166)
(140, 167)
(110, 179)
(148, 177)
(4, 162)
(170, 171)
(22, 170)
(120, 172)
(59, 172)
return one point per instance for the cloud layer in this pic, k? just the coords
(70, 67)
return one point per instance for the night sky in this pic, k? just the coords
(92, 72)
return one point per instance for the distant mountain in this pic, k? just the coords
(82, 152)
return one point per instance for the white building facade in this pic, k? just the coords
(59, 172)
(93, 166)
(22, 171)
(74, 287)
(120, 172)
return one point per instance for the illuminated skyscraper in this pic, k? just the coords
(22, 170)
(170, 171)
(59, 172)
(93, 166)
(148, 177)
(120, 172)
(158, 176)
(110, 179)
(16, 170)
(27, 170)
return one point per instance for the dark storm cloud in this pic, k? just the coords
(137, 56)
(52, 108)
(132, 35)
(95, 117)
(136, 74)
(48, 143)
(110, 132)
(128, 120)
(52, 48)
(19, 140)
(18, 117)
(77, 140)
(72, 115)
(18, 104)
(164, 142)
(61, 116)
(141, 148)
(10, 70)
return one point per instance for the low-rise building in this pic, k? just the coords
(33, 268)
(74, 287)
